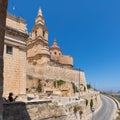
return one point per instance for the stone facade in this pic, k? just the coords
(15, 55)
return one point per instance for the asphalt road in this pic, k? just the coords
(107, 110)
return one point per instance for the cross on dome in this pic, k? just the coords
(55, 42)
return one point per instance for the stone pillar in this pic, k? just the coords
(3, 12)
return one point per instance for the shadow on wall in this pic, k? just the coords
(15, 111)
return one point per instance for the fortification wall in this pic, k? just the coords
(56, 73)
(47, 72)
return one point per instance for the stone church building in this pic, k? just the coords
(29, 62)
(38, 51)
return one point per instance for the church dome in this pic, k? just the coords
(55, 46)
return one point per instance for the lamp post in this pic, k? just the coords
(92, 109)
(79, 82)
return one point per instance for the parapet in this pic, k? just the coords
(67, 60)
(16, 23)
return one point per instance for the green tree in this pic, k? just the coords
(74, 87)
(86, 101)
(58, 83)
(55, 84)
(91, 103)
(84, 88)
(39, 87)
(88, 86)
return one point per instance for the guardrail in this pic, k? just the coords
(115, 100)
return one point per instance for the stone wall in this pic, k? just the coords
(45, 110)
(39, 111)
(33, 111)
(14, 71)
(50, 73)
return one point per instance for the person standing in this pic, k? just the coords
(10, 97)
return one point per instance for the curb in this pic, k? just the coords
(117, 104)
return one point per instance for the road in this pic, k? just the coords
(107, 110)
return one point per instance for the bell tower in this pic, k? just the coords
(38, 39)
(39, 30)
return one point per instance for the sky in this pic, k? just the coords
(88, 30)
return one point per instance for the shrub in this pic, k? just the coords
(88, 86)
(39, 87)
(77, 108)
(74, 87)
(86, 101)
(91, 103)
(58, 83)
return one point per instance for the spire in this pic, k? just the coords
(39, 12)
(39, 18)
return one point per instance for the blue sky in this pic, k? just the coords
(88, 30)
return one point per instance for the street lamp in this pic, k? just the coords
(79, 82)
(92, 109)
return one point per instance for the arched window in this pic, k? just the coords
(35, 34)
(55, 53)
(43, 33)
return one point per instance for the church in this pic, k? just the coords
(38, 51)
(30, 65)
